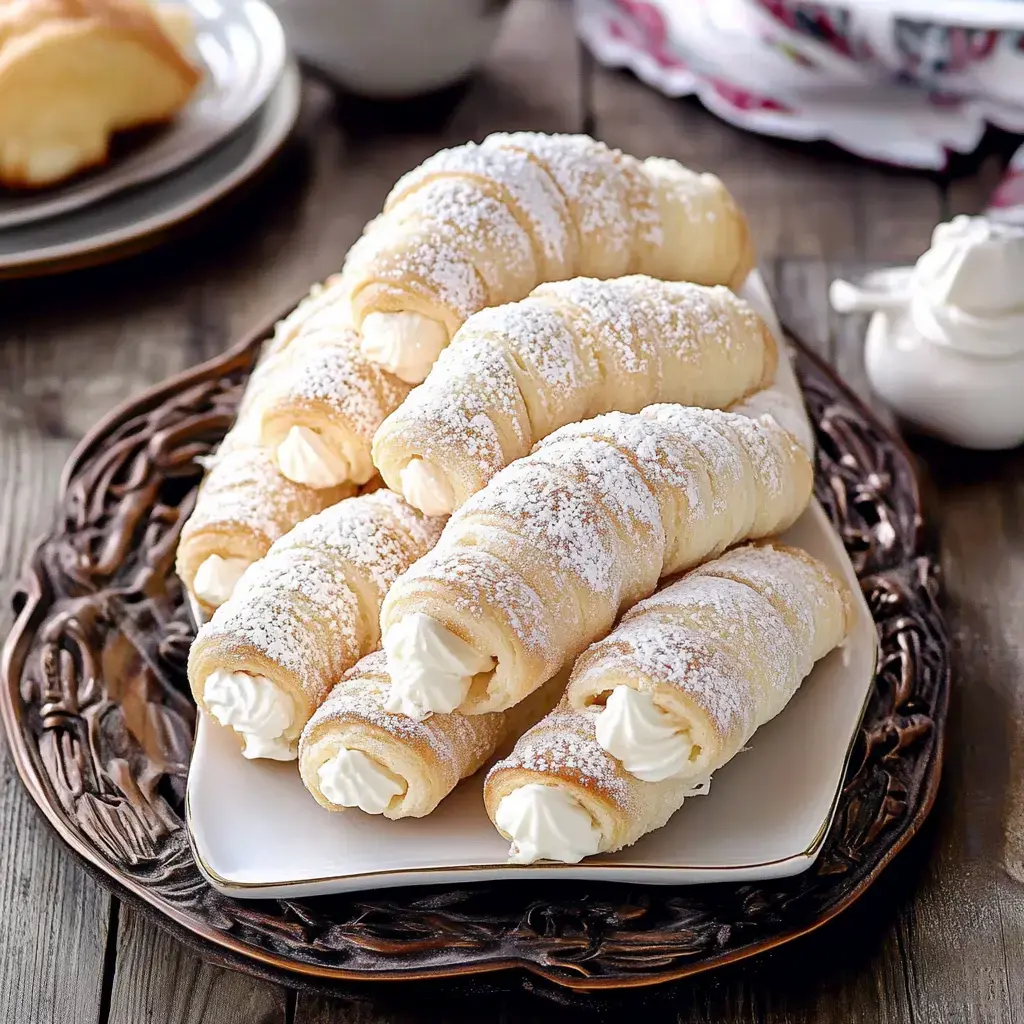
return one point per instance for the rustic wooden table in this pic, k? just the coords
(939, 938)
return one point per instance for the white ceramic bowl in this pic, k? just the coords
(391, 49)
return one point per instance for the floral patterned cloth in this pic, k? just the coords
(873, 79)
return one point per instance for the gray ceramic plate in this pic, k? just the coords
(100, 231)
(241, 45)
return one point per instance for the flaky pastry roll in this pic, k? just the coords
(676, 690)
(542, 561)
(355, 753)
(244, 503)
(514, 374)
(325, 404)
(482, 225)
(302, 616)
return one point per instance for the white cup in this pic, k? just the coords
(392, 49)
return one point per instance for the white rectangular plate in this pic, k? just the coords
(256, 832)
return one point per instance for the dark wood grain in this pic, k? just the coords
(53, 919)
(939, 938)
(969, 918)
(159, 981)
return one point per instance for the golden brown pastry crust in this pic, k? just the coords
(73, 72)
(572, 350)
(539, 564)
(309, 610)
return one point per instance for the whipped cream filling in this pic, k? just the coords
(431, 668)
(964, 292)
(351, 778)
(425, 487)
(643, 737)
(305, 458)
(405, 344)
(216, 578)
(546, 823)
(258, 710)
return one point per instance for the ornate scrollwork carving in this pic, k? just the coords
(101, 725)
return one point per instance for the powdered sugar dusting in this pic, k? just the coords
(564, 744)
(586, 173)
(327, 366)
(295, 614)
(554, 513)
(736, 635)
(375, 534)
(760, 444)
(439, 419)
(536, 199)
(669, 653)
(478, 584)
(534, 332)
(245, 488)
(459, 742)
(448, 235)
(791, 582)
(283, 603)
(627, 347)
(664, 457)
(612, 479)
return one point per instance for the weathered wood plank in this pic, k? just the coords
(530, 81)
(896, 213)
(439, 1003)
(160, 981)
(53, 917)
(971, 914)
(800, 290)
(77, 365)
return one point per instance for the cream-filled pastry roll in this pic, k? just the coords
(482, 225)
(355, 753)
(320, 413)
(243, 506)
(244, 503)
(514, 374)
(676, 691)
(302, 616)
(689, 674)
(541, 562)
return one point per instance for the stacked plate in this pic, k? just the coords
(238, 119)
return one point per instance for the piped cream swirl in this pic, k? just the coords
(425, 487)
(633, 729)
(431, 669)
(546, 823)
(351, 778)
(258, 710)
(305, 458)
(216, 578)
(406, 344)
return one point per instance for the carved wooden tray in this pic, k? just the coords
(100, 722)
